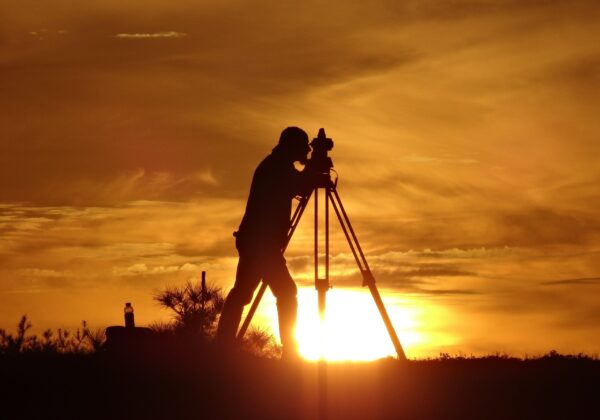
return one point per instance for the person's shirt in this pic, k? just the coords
(267, 218)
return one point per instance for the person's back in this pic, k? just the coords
(267, 218)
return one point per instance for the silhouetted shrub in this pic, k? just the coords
(83, 340)
(163, 328)
(19, 342)
(260, 342)
(196, 307)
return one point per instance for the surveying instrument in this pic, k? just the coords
(321, 164)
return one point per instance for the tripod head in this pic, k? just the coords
(319, 161)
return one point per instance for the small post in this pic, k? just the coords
(203, 298)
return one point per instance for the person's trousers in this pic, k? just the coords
(271, 267)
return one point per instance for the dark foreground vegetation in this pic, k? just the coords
(177, 372)
(191, 381)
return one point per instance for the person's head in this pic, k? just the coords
(293, 143)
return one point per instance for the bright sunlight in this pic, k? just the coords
(353, 328)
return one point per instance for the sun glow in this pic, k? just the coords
(353, 329)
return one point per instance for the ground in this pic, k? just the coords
(205, 383)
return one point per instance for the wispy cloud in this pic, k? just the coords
(169, 34)
(143, 269)
(40, 272)
(438, 160)
(568, 282)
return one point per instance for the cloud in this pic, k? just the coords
(141, 269)
(169, 34)
(579, 281)
(546, 226)
(436, 160)
(196, 104)
(447, 292)
(40, 272)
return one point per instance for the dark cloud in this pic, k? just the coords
(546, 226)
(83, 109)
(436, 270)
(584, 318)
(300, 264)
(395, 273)
(222, 247)
(446, 292)
(587, 281)
(581, 74)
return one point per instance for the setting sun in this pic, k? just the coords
(353, 329)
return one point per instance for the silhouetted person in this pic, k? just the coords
(262, 235)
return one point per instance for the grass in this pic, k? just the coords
(183, 377)
(179, 373)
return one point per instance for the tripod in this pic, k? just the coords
(322, 284)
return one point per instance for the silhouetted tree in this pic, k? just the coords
(196, 307)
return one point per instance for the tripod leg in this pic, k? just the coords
(388, 323)
(263, 286)
(368, 278)
(252, 311)
(321, 284)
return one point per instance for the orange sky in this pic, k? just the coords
(466, 139)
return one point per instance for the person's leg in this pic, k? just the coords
(246, 280)
(287, 311)
(285, 291)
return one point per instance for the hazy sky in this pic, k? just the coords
(467, 143)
